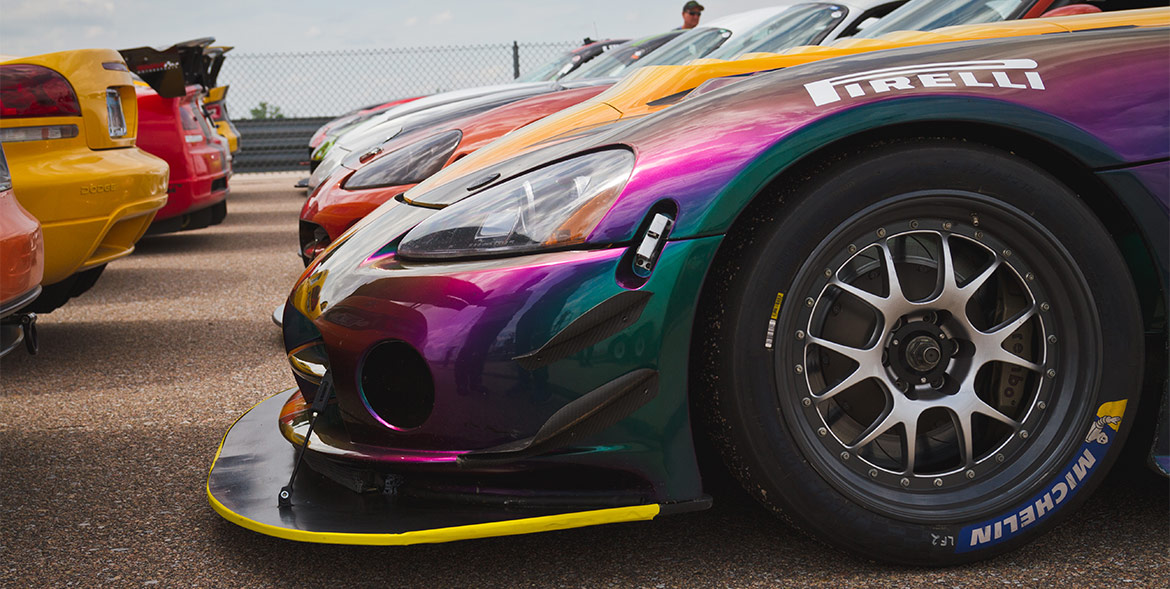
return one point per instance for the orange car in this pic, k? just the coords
(396, 166)
(22, 264)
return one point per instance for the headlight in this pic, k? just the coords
(553, 207)
(409, 165)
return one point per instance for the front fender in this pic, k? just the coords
(815, 137)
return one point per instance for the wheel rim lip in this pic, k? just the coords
(993, 488)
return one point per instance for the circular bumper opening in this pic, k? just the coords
(396, 385)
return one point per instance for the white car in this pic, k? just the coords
(817, 22)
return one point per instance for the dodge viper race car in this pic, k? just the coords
(68, 121)
(890, 287)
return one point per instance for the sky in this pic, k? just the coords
(29, 27)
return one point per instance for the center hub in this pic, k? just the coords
(923, 353)
(918, 354)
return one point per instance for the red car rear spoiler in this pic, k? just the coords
(169, 71)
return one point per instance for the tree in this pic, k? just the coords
(267, 111)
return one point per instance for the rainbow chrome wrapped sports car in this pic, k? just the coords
(890, 287)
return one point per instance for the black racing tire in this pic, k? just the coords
(813, 370)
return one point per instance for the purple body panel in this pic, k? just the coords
(695, 153)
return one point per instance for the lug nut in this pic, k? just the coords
(828, 273)
(1041, 405)
(852, 248)
(844, 456)
(1007, 253)
(947, 225)
(799, 369)
(902, 386)
(905, 482)
(822, 432)
(806, 401)
(1044, 306)
(1030, 276)
(809, 302)
(970, 474)
(881, 232)
(1023, 434)
(937, 383)
(1052, 339)
(938, 482)
(1051, 373)
(799, 334)
(914, 224)
(873, 473)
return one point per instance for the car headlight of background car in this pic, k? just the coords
(552, 207)
(410, 165)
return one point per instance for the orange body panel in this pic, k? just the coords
(22, 251)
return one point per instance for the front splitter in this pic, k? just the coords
(254, 461)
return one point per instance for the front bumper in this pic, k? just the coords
(475, 326)
(253, 462)
(553, 407)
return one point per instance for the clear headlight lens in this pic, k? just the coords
(409, 165)
(553, 207)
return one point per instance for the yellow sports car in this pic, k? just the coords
(654, 88)
(213, 101)
(68, 121)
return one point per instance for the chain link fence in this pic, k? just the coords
(277, 100)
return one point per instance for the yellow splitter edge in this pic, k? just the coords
(253, 462)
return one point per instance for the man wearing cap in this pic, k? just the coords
(691, 12)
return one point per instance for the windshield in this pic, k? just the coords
(926, 15)
(612, 64)
(805, 24)
(552, 70)
(691, 45)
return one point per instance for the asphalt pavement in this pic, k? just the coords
(107, 434)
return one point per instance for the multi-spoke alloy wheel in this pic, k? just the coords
(917, 351)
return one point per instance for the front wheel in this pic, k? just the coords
(930, 357)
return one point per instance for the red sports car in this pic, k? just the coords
(173, 126)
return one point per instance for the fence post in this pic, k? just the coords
(515, 60)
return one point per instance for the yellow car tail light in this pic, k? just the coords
(36, 91)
